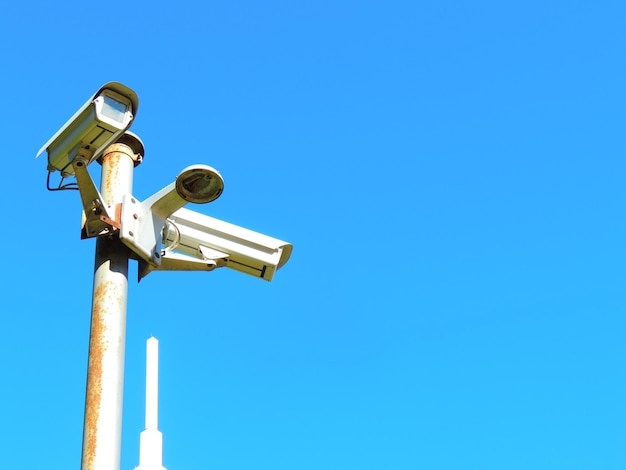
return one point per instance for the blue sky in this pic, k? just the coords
(450, 175)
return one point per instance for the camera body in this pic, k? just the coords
(97, 124)
(227, 245)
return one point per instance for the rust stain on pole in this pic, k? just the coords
(113, 160)
(114, 154)
(107, 299)
(97, 348)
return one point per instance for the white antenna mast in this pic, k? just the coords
(151, 439)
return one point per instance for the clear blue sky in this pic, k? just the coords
(451, 175)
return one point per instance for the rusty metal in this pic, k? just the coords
(133, 142)
(110, 222)
(105, 372)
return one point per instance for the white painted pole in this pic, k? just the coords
(152, 383)
(151, 439)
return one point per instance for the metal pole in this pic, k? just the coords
(102, 432)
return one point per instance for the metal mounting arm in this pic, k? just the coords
(177, 262)
(98, 222)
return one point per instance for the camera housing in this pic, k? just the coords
(97, 124)
(222, 244)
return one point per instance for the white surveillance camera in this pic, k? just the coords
(221, 244)
(142, 222)
(166, 237)
(97, 124)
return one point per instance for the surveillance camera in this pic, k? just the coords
(142, 222)
(98, 123)
(166, 237)
(221, 244)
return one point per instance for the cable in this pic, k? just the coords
(61, 186)
(176, 241)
